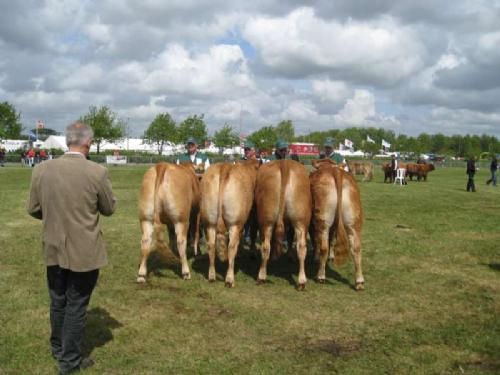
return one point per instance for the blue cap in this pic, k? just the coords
(191, 140)
(329, 142)
(281, 143)
(249, 144)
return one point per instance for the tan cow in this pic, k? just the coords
(169, 195)
(282, 194)
(364, 168)
(337, 217)
(227, 193)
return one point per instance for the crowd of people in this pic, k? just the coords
(34, 156)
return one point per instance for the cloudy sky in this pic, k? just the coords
(410, 66)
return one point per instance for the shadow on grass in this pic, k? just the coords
(160, 260)
(285, 267)
(99, 329)
(494, 266)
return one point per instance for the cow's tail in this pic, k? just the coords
(341, 248)
(279, 230)
(221, 226)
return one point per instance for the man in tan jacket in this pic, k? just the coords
(69, 194)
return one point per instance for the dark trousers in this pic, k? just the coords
(470, 182)
(69, 297)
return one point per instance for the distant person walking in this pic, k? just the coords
(493, 170)
(471, 171)
(69, 194)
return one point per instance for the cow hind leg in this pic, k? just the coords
(211, 234)
(300, 234)
(265, 250)
(323, 250)
(355, 247)
(146, 242)
(234, 240)
(181, 232)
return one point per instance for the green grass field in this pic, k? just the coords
(431, 304)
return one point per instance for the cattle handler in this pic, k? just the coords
(199, 159)
(281, 150)
(329, 152)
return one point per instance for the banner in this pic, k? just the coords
(368, 139)
(348, 143)
(116, 159)
(385, 144)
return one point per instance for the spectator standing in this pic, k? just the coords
(394, 167)
(30, 155)
(471, 171)
(2, 156)
(493, 170)
(69, 194)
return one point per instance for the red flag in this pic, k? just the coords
(40, 124)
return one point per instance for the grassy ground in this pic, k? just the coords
(431, 304)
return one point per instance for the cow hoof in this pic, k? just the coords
(301, 287)
(211, 280)
(141, 279)
(229, 284)
(261, 281)
(321, 281)
(360, 286)
(186, 276)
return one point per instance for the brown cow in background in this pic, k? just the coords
(283, 196)
(363, 168)
(169, 195)
(419, 170)
(337, 217)
(227, 194)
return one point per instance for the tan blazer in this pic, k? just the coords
(68, 194)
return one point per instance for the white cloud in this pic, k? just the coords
(221, 72)
(379, 51)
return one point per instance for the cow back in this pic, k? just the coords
(177, 192)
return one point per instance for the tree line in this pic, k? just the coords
(164, 130)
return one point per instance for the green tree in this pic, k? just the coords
(10, 126)
(264, 137)
(105, 124)
(160, 131)
(193, 126)
(285, 130)
(226, 136)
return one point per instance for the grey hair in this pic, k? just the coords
(78, 134)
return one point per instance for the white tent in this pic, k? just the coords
(56, 141)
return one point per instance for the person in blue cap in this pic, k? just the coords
(281, 150)
(249, 151)
(200, 160)
(329, 152)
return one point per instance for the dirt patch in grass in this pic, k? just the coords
(336, 347)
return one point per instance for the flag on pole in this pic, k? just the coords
(368, 139)
(40, 124)
(385, 144)
(32, 136)
(348, 143)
